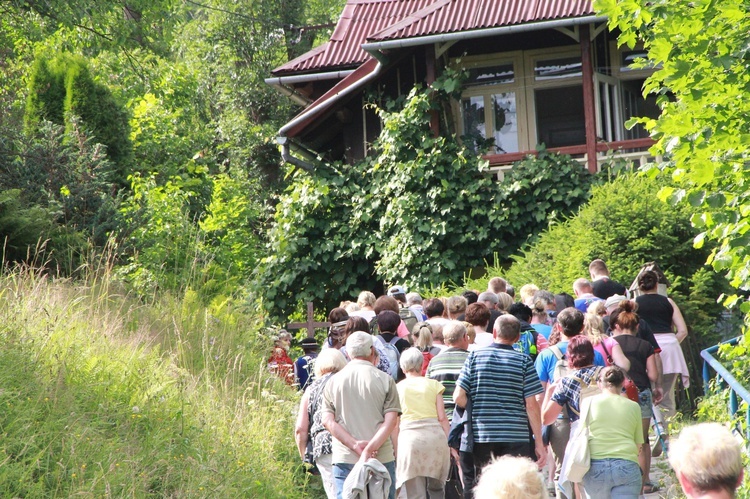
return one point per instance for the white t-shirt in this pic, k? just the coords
(481, 340)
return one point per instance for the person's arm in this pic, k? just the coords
(390, 421)
(442, 417)
(654, 377)
(535, 421)
(302, 425)
(659, 369)
(678, 322)
(459, 396)
(339, 433)
(394, 437)
(550, 408)
(619, 358)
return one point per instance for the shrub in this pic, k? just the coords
(626, 225)
(536, 192)
(425, 214)
(63, 87)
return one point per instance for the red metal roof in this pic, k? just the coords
(379, 20)
(448, 16)
(359, 19)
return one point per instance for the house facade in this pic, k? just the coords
(540, 71)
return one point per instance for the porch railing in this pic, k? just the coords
(634, 150)
(736, 390)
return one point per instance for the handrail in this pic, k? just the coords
(736, 389)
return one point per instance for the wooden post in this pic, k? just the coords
(430, 77)
(310, 325)
(589, 106)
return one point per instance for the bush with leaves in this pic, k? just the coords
(626, 225)
(536, 192)
(418, 212)
(63, 88)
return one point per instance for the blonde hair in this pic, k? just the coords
(366, 299)
(510, 477)
(469, 331)
(708, 456)
(456, 306)
(330, 360)
(422, 336)
(527, 293)
(593, 327)
(504, 301)
(539, 310)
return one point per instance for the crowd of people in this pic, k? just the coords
(471, 395)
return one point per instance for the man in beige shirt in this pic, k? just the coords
(361, 409)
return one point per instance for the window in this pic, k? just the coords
(524, 98)
(560, 119)
(489, 106)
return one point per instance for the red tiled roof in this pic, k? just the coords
(380, 20)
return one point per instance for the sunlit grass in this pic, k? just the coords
(104, 396)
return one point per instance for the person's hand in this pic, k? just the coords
(359, 446)
(454, 453)
(541, 454)
(658, 395)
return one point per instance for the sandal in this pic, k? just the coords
(650, 488)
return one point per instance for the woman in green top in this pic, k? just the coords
(616, 435)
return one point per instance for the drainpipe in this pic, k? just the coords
(286, 155)
(284, 84)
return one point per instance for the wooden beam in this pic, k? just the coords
(505, 159)
(430, 77)
(310, 325)
(589, 106)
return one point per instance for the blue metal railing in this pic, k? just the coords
(735, 387)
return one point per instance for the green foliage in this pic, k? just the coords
(62, 90)
(536, 192)
(314, 252)
(104, 396)
(700, 51)
(163, 237)
(64, 172)
(436, 208)
(626, 225)
(103, 118)
(21, 226)
(425, 215)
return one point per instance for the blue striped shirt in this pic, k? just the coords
(498, 380)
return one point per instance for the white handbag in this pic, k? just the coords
(577, 460)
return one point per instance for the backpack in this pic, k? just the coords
(628, 387)
(587, 389)
(527, 343)
(428, 356)
(409, 317)
(561, 367)
(392, 353)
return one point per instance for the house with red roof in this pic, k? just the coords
(540, 72)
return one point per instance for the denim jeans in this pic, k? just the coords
(342, 470)
(612, 478)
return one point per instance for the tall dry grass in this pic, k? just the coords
(103, 395)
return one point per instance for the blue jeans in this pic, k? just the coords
(342, 470)
(612, 478)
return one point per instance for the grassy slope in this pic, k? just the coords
(103, 396)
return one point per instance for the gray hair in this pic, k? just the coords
(359, 345)
(413, 298)
(488, 296)
(330, 360)
(411, 360)
(453, 332)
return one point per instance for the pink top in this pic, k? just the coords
(402, 330)
(610, 343)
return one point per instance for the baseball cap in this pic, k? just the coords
(394, 290)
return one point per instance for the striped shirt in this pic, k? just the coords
(445, 368)
(498, 380)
